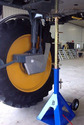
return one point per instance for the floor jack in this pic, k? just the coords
(53, 113)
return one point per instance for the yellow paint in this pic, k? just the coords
(16, 73)
(76, 18)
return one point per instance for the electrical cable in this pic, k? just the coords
(67, 119)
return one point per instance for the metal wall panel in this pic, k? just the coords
(7, 11)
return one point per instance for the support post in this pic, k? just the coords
(35, 22)
(34, 34)
(53, 113)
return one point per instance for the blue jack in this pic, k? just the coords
(53, 112)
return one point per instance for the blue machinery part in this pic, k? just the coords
(53, 113)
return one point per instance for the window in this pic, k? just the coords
(78, 46)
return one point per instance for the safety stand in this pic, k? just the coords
(53, 112)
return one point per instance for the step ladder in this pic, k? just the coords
(67, 54)
(74, 53)
(70, 54)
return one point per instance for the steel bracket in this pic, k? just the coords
(34, 63)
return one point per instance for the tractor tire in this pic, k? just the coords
(9, 94)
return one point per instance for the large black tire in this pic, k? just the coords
(9, 32)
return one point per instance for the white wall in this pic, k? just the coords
(70, 32)
(7, 11)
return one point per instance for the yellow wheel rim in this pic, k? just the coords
(21, 80)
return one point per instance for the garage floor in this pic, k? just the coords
(72, 74)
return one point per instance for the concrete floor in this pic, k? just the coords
(72, 74)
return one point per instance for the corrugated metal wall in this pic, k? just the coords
(7, 11)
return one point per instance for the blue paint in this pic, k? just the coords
(52, 113)
(56, 81)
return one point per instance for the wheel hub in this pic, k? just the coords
(16, 72)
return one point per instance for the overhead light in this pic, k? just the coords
(76, 18)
